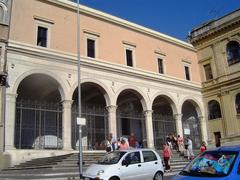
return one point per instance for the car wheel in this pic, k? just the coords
(158, 176)
(114, 178)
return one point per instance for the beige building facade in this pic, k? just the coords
(5, 9)
(218, 49)
(133, 79)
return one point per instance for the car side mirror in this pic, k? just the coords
(125, 162)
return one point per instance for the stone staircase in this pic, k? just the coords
(56, 167)
(177, 162)
(66, 167)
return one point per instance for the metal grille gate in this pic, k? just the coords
(38, 125)
(162, 126)
(193, 125)
(95, 131)
(132, 121)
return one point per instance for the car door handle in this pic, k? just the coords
(139, 165)
(156, 162)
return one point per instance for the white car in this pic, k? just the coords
(137, 164)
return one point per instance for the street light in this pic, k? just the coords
(79, 119)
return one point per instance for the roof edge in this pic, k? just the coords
(122, 22)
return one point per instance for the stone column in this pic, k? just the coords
(112, 120)
(179, 126)
(67, 124)
(149, 128)
(203, 126)
(10, 121)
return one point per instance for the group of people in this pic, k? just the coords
(181, 145)
(122, 143)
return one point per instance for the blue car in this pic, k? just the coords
(219, 164)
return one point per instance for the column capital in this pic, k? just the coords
(111, 108)
(11, 97)
(178, 116)
(148, 112)
(67, 103)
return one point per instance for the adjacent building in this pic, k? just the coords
(5, 9)
(133, 79)
(218, 49)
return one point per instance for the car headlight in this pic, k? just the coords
(100, 172)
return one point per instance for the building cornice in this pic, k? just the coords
(121, 22)
(52, 55)
(215, 27)
(215, 85)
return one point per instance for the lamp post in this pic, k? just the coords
(79, 94)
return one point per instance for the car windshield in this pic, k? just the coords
(111, 158)
(211, 164)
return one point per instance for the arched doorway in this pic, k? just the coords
(191, 123)
(38, 123)
(130, 117)
(163, 120)
(94, 110)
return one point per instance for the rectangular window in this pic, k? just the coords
(91, 48)
(160, 66)
(187, 73)
(42, 36)
(208, 71)
(129, 57)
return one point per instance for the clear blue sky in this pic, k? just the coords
(172, 17)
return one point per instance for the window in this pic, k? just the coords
(212, 165)
(233, 52)
(42, 34)
(214, 110)
(133, 158)
(91, 48)
(129, 57)
(208, 71)
(149, 156)
(160, 66)
(237, 103)
(187, 73)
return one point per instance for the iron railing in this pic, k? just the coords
(95, 132)
(38, 125)
(162, 126)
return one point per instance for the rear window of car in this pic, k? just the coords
(211, 164)
(149, 156)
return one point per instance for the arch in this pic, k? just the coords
(169, 98)
(62, 87)
(195, 103)
(38, 113)
(130, 117)
(103, 87)
(3, 11)
(233, 52)
(163, 120)
(191, 120)
(138, 92)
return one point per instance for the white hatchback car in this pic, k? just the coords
(135, 164)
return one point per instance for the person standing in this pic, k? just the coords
(203, 147)
(189, 149)
(166, 157)
(123, 145)
(132, 140)
(180, 142)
